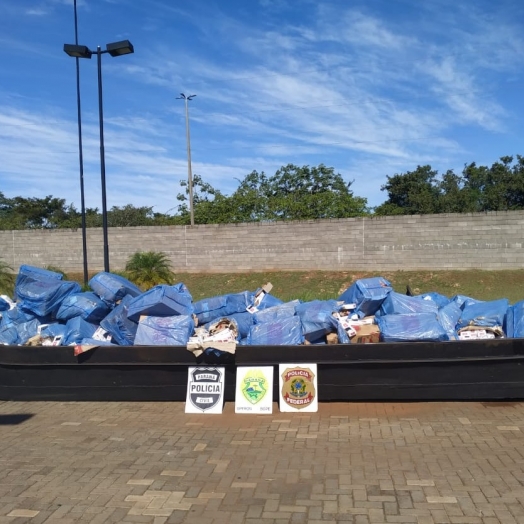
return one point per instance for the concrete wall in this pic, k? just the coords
(449, 241)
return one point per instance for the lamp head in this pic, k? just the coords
(77, 51)
(124, 47)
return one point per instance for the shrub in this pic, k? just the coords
(7, 279)
(148, 269)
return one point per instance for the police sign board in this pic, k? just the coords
(254, 390)
(298, 387)
(205, 390)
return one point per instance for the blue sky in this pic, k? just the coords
(371, 88)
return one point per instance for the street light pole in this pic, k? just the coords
(189, 173)
(81, 51)
(81, 158)
(102, 160)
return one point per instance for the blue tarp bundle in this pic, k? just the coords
(397, 304)
(209, 309)
(484, 314)
(275, 313)
(53, 330)
(15, 316)
(86, 305)
(514, 327)
(463, 300)
(164, 331)
(368, 294)
(32, 274)
(4, 305)
(267, 300)
(44, 297)
(112, 288)
(8, 334)
(121, 328)
(448, 317)
(440, 300)
(419, 327)
(286, 331)
(317, 318)
(76, 330)
(162, 301)
(26, 330)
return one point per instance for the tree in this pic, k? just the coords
(148, 269)
(207, 201)
(129, 215)
(412, 193)
(296, 193)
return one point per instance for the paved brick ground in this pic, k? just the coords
(422, 463)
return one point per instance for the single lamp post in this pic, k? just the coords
(81, 157)
(81, 51)
(189, 174)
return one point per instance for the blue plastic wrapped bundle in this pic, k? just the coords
(244, 321)
(440, 300)
(368, 294)
(76, 330)
(117, 323)
(8, 334)
(44, 297)
(26, 330)
(112, 288)
(286, 331)
(317, 318)
(4, 305)
(421, 327)
(162, 301)
(86, 305)
(209, 309)
(15, 316)
(277, 312)
(462, 301)
(164, 331)
(53, 330)
(398, 304)
(263, 300)
(31, 274)
(484, 314)
(514, 326)
(448, 317)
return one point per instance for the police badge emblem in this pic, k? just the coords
(298, 390)
(205, 390)
(254, 386)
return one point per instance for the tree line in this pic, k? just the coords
(295, 193)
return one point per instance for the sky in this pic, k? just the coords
(371, 88)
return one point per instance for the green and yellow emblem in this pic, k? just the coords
(254, 386)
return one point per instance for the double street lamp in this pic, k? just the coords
(123, 47)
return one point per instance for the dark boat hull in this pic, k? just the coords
(469, 370)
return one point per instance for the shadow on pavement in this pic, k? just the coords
(14, 419)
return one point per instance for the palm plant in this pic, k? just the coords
(7, 279)
(56, 269)
(148, 269)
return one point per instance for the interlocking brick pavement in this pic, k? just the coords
(103, 463)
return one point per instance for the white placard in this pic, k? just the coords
(254, 390)
(298, 387)
(205, 390)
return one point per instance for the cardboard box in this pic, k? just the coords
(366, 334)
